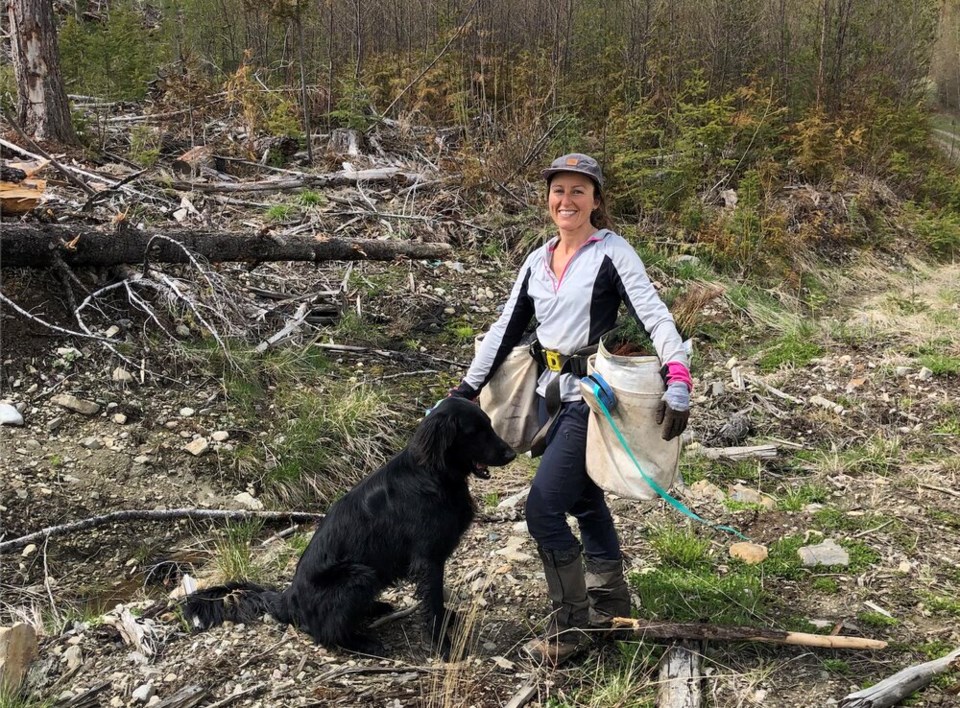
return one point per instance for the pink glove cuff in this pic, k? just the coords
(677, 372)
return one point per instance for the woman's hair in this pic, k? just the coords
(599, 217)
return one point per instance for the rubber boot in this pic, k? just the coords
(567, 589)
(607, 590)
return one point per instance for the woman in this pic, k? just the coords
(574, 286)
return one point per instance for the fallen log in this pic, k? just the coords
(695, 630)
(38, 245)
(894, 689)
(680, 677)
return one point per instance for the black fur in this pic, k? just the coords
(401, 522)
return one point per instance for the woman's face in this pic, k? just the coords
(571, 201)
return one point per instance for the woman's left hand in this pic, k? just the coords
(674, 410)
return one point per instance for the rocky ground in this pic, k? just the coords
(870, 421)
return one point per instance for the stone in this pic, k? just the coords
(220, 436)
(902, 370)
(29, 550)
(826, 553)
(186, 412)
(92, 443)
(745, 495)
(121, 375)
(249, 501)
(703, 489)
(112, 332)
(77, 405)
(717, 389)
(750, 553)
(925, 374)
(74, 657)
(512, 550)
(9, 415)
(197, 446)
(119, 419)
(729, 197)
(54, 425)
(142, 693)
(18, 647)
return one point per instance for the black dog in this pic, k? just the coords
(403, 521)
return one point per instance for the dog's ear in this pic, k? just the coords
(432, 438)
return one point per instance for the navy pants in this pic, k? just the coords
(561, 486)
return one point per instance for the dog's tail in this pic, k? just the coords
(232, 602)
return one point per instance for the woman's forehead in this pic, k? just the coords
(571, 179)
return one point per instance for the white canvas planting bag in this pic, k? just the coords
(510, 398)
(638, 386)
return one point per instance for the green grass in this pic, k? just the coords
(795, 348)
(280, 212)
(232, 555)
(12, 699)
(836, 666)
(825, 585)
(941, 364)
(310, 198)
(681, 595)
(876, 620)
(623, 679)
(798, 497)
(680, 548)
(942, 604)
(491, 499)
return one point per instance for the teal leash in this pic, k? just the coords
(675, 503)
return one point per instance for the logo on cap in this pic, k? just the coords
(572, 161)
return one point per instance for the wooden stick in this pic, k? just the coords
(739, 453)
(693, 630)
(153, 515)
(894, 689)
(525, 693)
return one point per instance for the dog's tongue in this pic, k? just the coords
(481, 471)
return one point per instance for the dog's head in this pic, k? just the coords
(457, 435)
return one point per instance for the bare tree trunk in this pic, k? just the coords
(23, 245)
(42, 106)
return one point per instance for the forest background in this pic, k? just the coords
(679, 99)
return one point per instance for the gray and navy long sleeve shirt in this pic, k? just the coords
(574, 310)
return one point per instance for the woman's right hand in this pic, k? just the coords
(674, 410)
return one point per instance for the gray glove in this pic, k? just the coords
(674, 410)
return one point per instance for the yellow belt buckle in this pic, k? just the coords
(553, 360)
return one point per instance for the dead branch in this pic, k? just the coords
(525, 693)
(894, 689)
(34, 245)
(55, 328)
(739, 453)
(154, 515)
(332, 179)
(693, 630)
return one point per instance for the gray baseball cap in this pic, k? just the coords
(575, 162)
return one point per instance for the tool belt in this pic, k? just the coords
(547, 359)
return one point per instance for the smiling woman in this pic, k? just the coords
(574, 286)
